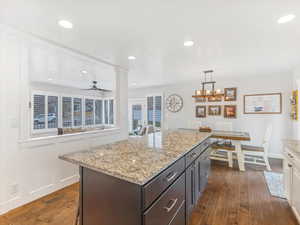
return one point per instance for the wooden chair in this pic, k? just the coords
(221, 149)
(258, 155)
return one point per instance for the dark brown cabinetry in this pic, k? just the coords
(169, 198)
(196, 179)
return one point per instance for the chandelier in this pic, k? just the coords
(208, 87)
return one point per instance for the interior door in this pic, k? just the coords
(136, 113)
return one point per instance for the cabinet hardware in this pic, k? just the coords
(290, 165)
(171, 176)
(174, 201)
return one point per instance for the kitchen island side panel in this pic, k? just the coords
(107, 200)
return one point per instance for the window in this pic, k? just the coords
(150, 110)
(77, 112)
(108, 111)
(67, 111)
(98, 111)
(50, 112)
(39, 110)
(157, 111)
(45, 112)
(154, 113)
(111, 111)
(89, 112)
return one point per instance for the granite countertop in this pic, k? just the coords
(138, 159)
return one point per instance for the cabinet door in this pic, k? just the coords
(287, 173)
(190, 191)
(296, 192)
(204, 173)
(198, 174)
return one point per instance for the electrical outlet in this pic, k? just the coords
(13, 189)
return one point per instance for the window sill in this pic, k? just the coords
(68, 137)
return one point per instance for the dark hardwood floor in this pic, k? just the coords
(231, 198)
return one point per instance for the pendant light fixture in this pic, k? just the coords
(208, 87)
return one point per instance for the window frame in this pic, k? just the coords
(60, 112)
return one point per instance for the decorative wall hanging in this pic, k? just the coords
(229, 111)
(174, 103)
(214, 110)
(230, 94)
(208, 87)
(294, 105)
(200, 111)
(263, 103)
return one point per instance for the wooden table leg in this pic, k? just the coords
(240, 155)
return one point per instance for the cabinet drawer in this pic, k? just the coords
(179, 218)
(155, 188)
(164, 209)
(193, 154)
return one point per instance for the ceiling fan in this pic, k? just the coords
(95, 88)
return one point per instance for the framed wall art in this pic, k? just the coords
(230, 94)
(214, 110)
(229, 111)
(200, 111)
(263, 103)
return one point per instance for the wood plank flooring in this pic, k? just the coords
(231, 198)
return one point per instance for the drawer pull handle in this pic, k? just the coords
(290, 165)
(290, 155)
(174, 201)
(171, 176)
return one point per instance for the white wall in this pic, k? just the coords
(255, 124)
(30, 168)
(296, 86)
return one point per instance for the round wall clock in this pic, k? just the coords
(174, 103)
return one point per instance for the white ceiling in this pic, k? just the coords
(235, 38)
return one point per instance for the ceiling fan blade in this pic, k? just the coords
(104, 90)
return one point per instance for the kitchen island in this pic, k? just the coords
(151, 180)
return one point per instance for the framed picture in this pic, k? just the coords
(230, 94)
(229, 111)
(263, 103)
(214, 110)
(200, 100)
(215, 99)
(200, 111)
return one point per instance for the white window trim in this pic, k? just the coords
(60, 113)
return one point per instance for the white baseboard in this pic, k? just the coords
(36, 194)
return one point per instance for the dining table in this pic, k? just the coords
(236, 138)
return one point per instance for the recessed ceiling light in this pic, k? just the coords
(131, 57)
(133, 84)
(188, 43)
(286, 18)
(84, 72)
(65, 24)
(50, 79)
